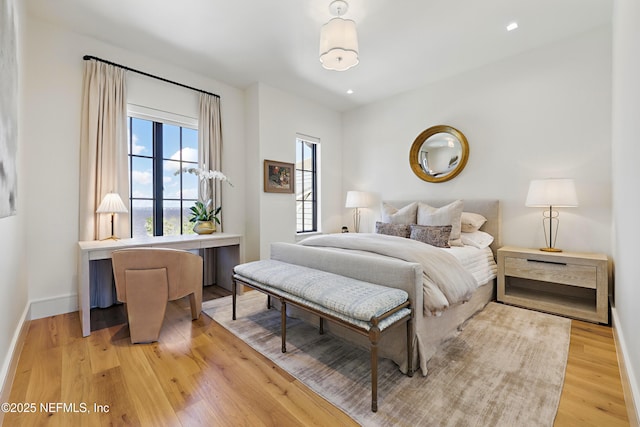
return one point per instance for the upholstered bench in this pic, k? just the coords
(363, 307)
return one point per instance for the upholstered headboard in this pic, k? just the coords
(489, 208)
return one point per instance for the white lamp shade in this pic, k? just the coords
(357, 199)
(112, 203)
(552, 192)
(339, 44)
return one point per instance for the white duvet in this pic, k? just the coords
(446, 282)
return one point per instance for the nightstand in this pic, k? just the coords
(566, 283)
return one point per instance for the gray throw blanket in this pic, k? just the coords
(445, 283)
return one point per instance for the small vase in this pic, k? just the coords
(204, 227)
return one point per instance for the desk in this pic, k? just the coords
(93, 250)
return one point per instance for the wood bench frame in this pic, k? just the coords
(374, 333)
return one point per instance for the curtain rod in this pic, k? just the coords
(88, 57)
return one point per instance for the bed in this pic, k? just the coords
(361, 256)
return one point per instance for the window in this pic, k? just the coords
(306, 186)
(160, 196)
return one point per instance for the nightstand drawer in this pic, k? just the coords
(584, 276)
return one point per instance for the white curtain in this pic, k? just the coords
(103, 164)
(210, 147)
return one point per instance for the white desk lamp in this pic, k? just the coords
(112, 204)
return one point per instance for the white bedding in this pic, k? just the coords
(479, 262)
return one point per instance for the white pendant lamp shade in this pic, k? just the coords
(339, 44)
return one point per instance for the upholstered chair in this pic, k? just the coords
(146, 278)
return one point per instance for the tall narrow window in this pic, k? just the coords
(161, 195)
(306, 186)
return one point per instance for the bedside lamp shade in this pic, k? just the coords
(357, 200)
(112, 204)
(552, 192)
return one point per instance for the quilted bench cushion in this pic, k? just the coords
(352, 298)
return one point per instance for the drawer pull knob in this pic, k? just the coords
(547, 262)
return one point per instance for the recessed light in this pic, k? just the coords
(349, 91)
(512, 26)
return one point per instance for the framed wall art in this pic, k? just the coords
(278, 177)
(8, 109)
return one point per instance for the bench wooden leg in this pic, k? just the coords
(283, 324)
(321, 325)
(233, 293)
(374, 335)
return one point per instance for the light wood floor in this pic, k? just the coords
(200, 374)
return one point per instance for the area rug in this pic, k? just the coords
(505, 368)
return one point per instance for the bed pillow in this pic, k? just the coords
(405, 215)
(434, 235)
(450, 214)
(479, 239)
(471, 222)
(399, 230)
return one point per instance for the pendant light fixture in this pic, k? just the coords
(339, 40)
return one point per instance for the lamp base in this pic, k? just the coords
(551, 249)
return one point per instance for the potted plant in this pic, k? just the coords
(204, 217)
(203, 213)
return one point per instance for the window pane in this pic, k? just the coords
(141, 178)
(142, 137)
(170, 181)
(170, 142)
(189, 186)
(187, 226)
(299, 187)
(299, 228)
(307, 187)
(307, 222)
(190, 140)
(306, 155)
(172, 224)
(141, 218)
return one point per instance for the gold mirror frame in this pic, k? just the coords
(414, 154)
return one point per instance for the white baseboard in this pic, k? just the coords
(628, 377)
(10, 363)
(53, 306)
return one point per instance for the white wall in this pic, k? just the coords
(544, 113)
(53, 91)
(13, 281)
(626, 176)
(280, 116)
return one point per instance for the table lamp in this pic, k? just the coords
(112, 204)
(357, 200)
(551, 192)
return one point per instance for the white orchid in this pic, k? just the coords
(204, 174)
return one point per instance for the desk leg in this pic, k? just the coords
(227, 257)
(84, 302)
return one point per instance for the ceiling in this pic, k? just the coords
(404, 44)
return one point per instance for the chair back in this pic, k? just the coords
(183, 269)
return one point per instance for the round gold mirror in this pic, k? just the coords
(439, 153)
